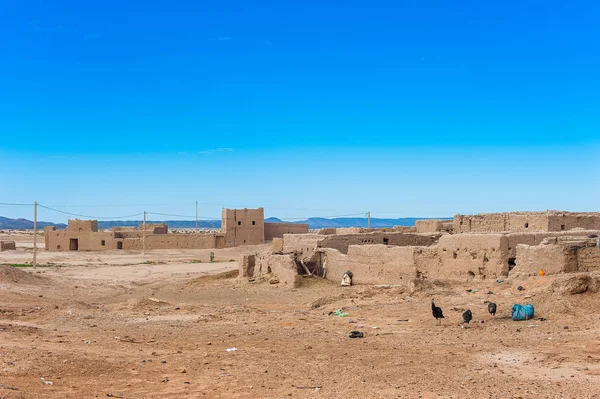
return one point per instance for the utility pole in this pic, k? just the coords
(196, 217)
(368, 220)
(144, 235)
(35, 234)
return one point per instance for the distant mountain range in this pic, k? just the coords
(24, 224)
(313, 223)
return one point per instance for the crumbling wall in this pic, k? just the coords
(588, 259)
(482, 223)
(277, 245)
(553, 259)
(342, 242)
(372, 264)
(277, 230)
(473, 255)
(536, 238)
(7, 246)
(283, 267)
(428, 225)
(301, 242)
(247, 266)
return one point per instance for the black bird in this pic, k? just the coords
(437, 312)
(467, 316)
(492, 309)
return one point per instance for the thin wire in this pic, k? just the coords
(7, 204)
(117, 206)
(91, 217)
(182, 216)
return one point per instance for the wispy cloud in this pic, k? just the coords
(91, 35)
(215, 150)
(224, 38)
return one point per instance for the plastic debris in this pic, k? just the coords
(340, 313)
(46, 381)
(231, 349)
(356, 334)
(499, 281)
(347, 279)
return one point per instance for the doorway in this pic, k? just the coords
(119, 244)
(74, 244)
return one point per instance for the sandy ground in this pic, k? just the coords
(114, 324)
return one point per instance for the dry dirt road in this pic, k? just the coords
(105, 327)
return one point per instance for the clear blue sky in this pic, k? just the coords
(308, 108)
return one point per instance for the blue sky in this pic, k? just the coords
(312, 108)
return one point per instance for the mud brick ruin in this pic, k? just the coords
(484, 246)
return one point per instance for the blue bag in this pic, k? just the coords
(522, 312)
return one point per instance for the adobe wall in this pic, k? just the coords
(243, 226)
(277, 245)
(301, 242)
(473, 255)
(526, 222)
(342, 242)
(86, 240)
(588, 259)
(82, 225)
(428, 226)
(522, 222)
(277, 230)
(172, 241)
(372, 264)
(536, 238)
(7, 246)
(553, 259)
(564, 254)
(483, 223)
(568, 221)
(284, 267)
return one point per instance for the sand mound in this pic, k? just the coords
(9, 274)
(212, 277)
(576, 284)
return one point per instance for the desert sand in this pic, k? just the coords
(159, 325)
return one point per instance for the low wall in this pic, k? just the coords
(536, 238)
(7, 246)
(342, 242)
(301, 242)
(172, 241)
(277, 230)
(283, 267)
(588, 259)
(372, 264)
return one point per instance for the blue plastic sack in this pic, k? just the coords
(522, 312)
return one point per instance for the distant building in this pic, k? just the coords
(239, 227)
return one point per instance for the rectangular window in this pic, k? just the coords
(239, 223)
(562, 226)
(253, 223)
(103, 243)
